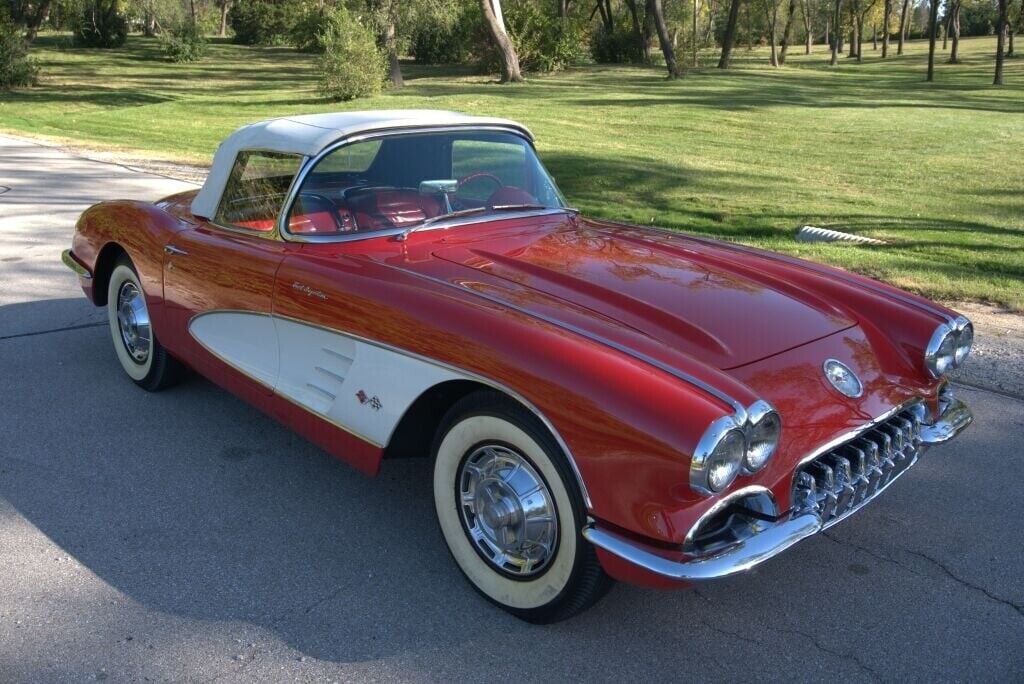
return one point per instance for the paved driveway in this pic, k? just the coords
(182, 536)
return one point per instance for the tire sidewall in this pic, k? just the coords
(462, 436)
(138, 372)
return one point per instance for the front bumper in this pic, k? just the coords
(798, 524)
(69, 259)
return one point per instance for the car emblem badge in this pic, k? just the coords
(843, 379)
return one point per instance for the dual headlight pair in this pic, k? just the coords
(730, 447)
(949, 346)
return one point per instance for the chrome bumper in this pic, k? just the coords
(71, 262)
(772, 541)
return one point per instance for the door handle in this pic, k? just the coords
(175, 251)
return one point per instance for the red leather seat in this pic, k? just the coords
(391, 208)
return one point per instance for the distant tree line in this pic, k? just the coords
(516, 36)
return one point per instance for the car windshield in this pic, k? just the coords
(411, 180)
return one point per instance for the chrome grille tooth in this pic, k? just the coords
(843, 479)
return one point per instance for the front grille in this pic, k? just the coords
(844, 478)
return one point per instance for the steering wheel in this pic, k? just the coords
(479, 174)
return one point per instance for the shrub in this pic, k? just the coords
(543, 42)
(264, 22)
(351, 65)
(101, 25)
(617, 46)
(16, 67)
(449, 39)
(185, 43)
(314, 23)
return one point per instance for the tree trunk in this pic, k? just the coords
(874, 37)
(954, 50)
(729, 39)
(36, 20)
(933, 32)
(837, 32)
(654, 9)
(510, 72)
(885, 28)
(945, 29)
(638, 32)
(773, 21)
(902, 27)
(696, 14)
(391, 43)
(808, 35)
(787, 32)
(563, 9)
(225, 7)
(1001, 40)
(192, 9)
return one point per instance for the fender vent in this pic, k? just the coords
(841, 480)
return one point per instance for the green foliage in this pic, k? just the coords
(265, 22)
(351, 65)
(101, 25)
(544, 42)
(450, 37)
(185, 43)
(313, 23)
(618, 46)
(16, 67)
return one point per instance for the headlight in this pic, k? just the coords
(718, 457)
(762, 436)
(949, 346)
(964, 340)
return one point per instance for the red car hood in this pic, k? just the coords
(698, 300)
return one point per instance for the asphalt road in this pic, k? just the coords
(182, 536)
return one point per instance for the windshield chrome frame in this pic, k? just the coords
(311, 162)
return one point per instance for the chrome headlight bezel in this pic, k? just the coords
(761, 416)
(948, 347)
(742, 426)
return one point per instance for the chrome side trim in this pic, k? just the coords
(738, 408)
(71, 262)
(469, 375)
(732, 561)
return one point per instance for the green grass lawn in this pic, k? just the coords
(749, 154)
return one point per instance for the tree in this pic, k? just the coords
(642, 48)
(225, 7)
(887, 11)
(808, 33)
(933, 30)
(771, 8)
(954, 12)
(34, 16)
(837, 22)
(1001, 29)
(903, 26)
(664, 39)
(510, 72)
(787, 31)
(729, 38)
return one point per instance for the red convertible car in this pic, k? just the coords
(600, 401)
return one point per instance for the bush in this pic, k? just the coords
(16, 67)
(351, 65)
(101, 25)
(614, 47)
(543, 42)
(265, 22)
(185, 43)
(314, 23)
(449, 39)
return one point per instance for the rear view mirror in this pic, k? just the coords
(433, 187)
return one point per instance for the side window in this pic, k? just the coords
(256, 189)
(482, 161)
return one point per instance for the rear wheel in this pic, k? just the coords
(141, 355)
(511, 512)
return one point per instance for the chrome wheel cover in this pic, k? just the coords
(507, 511)
(133, 322)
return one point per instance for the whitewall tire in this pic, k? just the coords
(139, 351)
(511, 513)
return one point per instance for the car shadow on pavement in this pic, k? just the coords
(191, 503)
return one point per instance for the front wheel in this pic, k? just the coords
(141, 355)
(511, 512)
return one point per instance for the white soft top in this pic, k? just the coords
(310, 133)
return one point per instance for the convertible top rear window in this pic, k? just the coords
(256, 189)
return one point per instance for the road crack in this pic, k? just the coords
(871, 552)
(970, 585)
(54, 330)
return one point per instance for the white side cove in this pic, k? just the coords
(361, 387)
